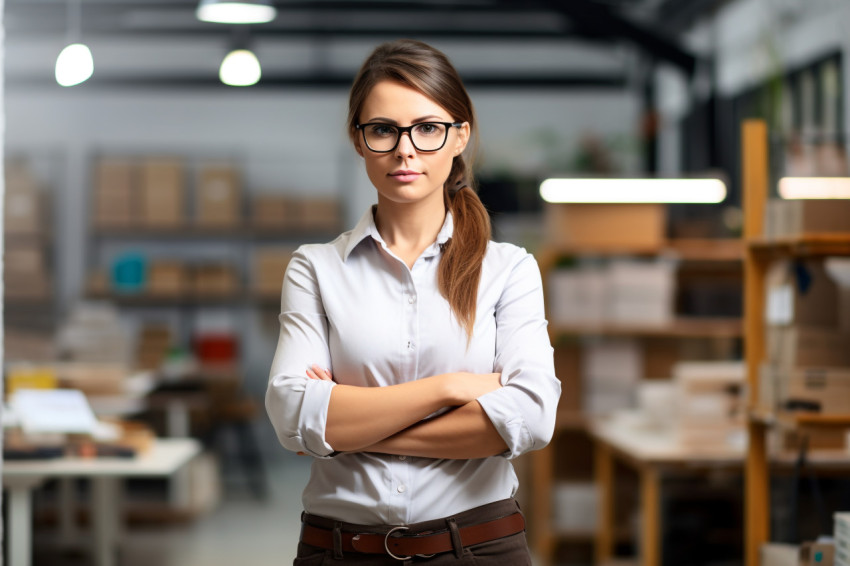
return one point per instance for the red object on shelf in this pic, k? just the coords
(216, 348)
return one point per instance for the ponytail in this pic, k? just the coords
(463, 255)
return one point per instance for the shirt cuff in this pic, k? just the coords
(510, 424)
(314, 411)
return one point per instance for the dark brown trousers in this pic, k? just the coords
(508, 551)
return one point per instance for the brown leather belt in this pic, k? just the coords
(401, 546)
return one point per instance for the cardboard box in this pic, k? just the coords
(25, 260)
(817, 554)
(274, 212)
(796, 346)
(319, 215)
(641, 293)
(800, 292)
(269, 269)
(24, 211)
(815, 216)
(215, 280)
(605, 226)
(162, 193)
(218, 197)
(116, 193)
(825, 391)
(779, 554)
(167, 278)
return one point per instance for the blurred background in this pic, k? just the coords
(159, 173)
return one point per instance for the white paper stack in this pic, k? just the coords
(842, 539)
(641, 293)
(611, 369)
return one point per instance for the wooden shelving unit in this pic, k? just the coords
(727, 254)
(759, 252)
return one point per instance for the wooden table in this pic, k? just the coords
(21, 477)
(651, 452)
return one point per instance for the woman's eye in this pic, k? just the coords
(380, 130)
(427, 129)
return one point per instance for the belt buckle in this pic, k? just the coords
(390, 552)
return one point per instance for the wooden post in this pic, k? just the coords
(755, 170)
(604, 474)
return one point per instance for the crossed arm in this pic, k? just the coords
(401, 427)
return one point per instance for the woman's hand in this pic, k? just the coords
(465, 387)
(315, 372)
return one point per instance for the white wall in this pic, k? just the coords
(286, 141)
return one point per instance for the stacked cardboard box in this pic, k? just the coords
(611, 370)
(624, 292)
(274, 212)
(167, 279)
(807, 368)
(214, 280)
(796, 218)
(94, 333)
(296, 214)
(817, 553)
(152, 346)
(115, 193)
(605, 226)
(24, 211)
(842, 539)
(26, 269)
(269, 267)
(162, 193)
(218, 197)
(709, 404)
(26, 273)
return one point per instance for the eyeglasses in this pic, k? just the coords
(425, 136)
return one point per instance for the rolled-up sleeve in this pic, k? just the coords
(298, 406)
(523, 410)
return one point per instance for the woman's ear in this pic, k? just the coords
(462, 138)
(357, 147)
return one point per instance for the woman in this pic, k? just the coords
(413, 361)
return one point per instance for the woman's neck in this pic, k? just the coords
(408, 229)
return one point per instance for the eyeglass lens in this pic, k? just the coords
(427, 136)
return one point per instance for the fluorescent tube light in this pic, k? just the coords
(814, 187)
(74, 65)
(236, 12)
(240, 67)
(633, 190)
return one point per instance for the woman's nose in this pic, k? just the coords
(405, 145)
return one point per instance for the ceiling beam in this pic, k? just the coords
(596, 18)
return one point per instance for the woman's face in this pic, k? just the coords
(406, 175)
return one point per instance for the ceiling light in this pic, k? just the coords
(633, 190)
(74, 64)
(236, 12)
(240, 67)
(814, 187)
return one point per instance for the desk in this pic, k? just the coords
(163, 459)
(653, 452)
(650, 452)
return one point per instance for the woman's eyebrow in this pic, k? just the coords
(383, 120)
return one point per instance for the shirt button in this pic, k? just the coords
(402, 488)
(411, 299)
(402, 457)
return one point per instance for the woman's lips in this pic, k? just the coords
(405, 176)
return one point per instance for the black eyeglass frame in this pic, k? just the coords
(409, 129)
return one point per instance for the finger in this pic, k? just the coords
(312, 375)
(321, 373)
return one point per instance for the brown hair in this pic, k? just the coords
(419, 66)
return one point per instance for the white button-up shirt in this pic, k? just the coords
(354, 307)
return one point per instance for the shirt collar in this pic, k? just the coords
(366, 227)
